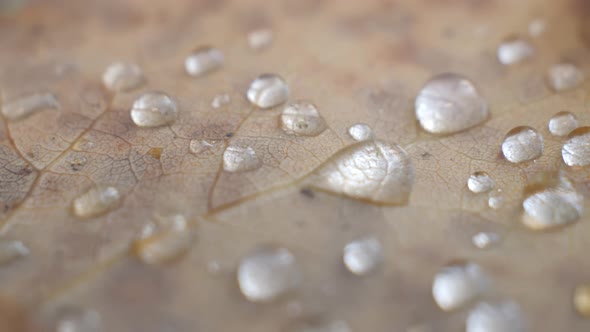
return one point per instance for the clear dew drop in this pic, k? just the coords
(267, 274)
(537, 27)
(239, 159)
(220, 100)
(562, 123)
(480, 182)
(24, 106)
(203, 60)
(163, 240)
(576, 150)
(363, 256)
(495, 199)
(456, 285)
(361, 132)
(76, 319)
(514, 51)
(121, 76)
(260, 39)
(450, 103)
(96, 201)
(154, 109)
(564, 76)
(522, 144)
(485, 240)
(303, 119)
(200, 146)
(581, 300)
(11, 250)
(496, 317)
(268, 90)
(371, 170)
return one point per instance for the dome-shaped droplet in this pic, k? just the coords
(203, 60)
(163, 240)
(239, 159)
(371, 170)
(302, 118)
(484, 240)
(562, 123)
(514, 51)
(259, 39)
(268, 90)
(361, 132)
(96, 201)
(456, 285)
(564, 76)
(363, 256)
(522, 144)
(268, 273)
(121, 76)
(500, 317)
(11, 250)
(77, 319)
(480, 182)
(154, 109)
(450, 103)
(576, 150)
(22, 107)
(220, 100)
(582, 300)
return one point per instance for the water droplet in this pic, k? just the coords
(502, 317)
(238, 159)
(302, 118)
(450, 103)
(268, 273)
(213, 267)
(576, 150)
(154, 109)
(121, 76)
(371, 170)
(363, 256)
(75, 319)
(163, 240)
(220, 100)
(456, 285)
(522, 144)
(582, 300)
(480, 182)
(198, 146)
(25, 106)
(537, 27)
(484, 240)
(564, 76)
(361, 132)
(12, 250)
(96, 201)
(562, 123)
(514, 51)
(495, 199)
(203, 60)
(259, 39)
(268, 90)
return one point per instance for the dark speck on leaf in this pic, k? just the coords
(307, 192)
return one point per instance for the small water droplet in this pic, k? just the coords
(25, 106)
(480, 182)
(268, 90)
(501, 317)
(259, 39)
(456, 285)
(484, 240)
(450, 103)
(495, 199)
(199, 146)
(239, 159)
(361, 132)
(121, 76)
(363, 256)
(76, 319)
(582, 300)
(562, 123)
(514, 51)
(302, 118)
(163, 240)
(213, 267)
(537, 27)
(564, 76)
(12, 250)
(522, 144)
(220, 100)
(96, 201)
(154, 109)
(203, 60)
(268, 273)
(576, 150)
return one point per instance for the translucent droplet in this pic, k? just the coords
(576, 150)
(450, 103)
(25, 106)
(121, 76)
(522, 144)
(96, 201)
(238, 159)
(484, 240)
(582, 300)
(203, 60)
(259, 39)
(199, 146)
(361, 132)
(564, 76)
(537, 27)
(220, 100)
(154, 109)
(480, 182)
(562, 123)
(302, 118)
(371, 170)
(12, 250)
(268, 273)
(268, 90)
(514, 51)
(363, 256)
(75, 319)
(456, 285)
(495, 199)
(163, 240)
(501, 317)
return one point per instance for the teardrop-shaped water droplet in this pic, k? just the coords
(11, 250)
(582, 300)
(480, 182)
(121, 76)
(363, 256)
(239, 159)
(220, 100)
(500, 317)
(450, 103)
(576, 150)
(76, 319)
(484, 240)
(562, 123)
(25, 106)
(268, 90)
(522, 144)
(203, 60)
(259, 39)
(361, 132)
(302, 118)
(154, 109)
(564, 76)
(163, 240)
(96, 201)
(514, 51)
(268, 273)
(456, 285)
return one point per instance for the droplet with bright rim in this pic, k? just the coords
(514, 51)
(268, 90)
(203, 60)
(154, 109)
(122, 76)
(361, 132)
(456, 285)
(303, 119)
(363, 256)
(562, 123)
(96, 201)
(522, 144)
(480, 182)
(576, 150)
(564, 76)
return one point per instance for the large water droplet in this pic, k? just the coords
(96, 201)
(154, 109)
(576, 150)
(371, 170)
(76, 319)
(564, 76)
(456, 285)
(25, 106)
(501, 317)
(203, 60)
(522, 144)
(11, 250)
(449, 103)
(163, 240)
(514, 51)
(582, 300)
(363, 256)
(302, 118)
(121, 76)
(239, 159)
(361, 132)
(484, 240)
(268, 90)
(562, 123)
(259, 39)
(480, 182)
(268, 273)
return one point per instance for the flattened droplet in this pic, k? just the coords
(11, 250)
(522, 144)
(163, 240)
(363, 256)
(302, 118)
(361, 132)
(576, 150)
(268, 90)
(75, 319)
(501, 317)
(450, 103)
(121, 76)
(154, 109)
(267, 274)
(199, 146)
(203, 60)
(480, 182)
(239, 159)
(562, 123)
(564, 76)
(374, 171)
(457, 285)
(220, 100)
(514, 51)
(582, 300)
(259, 39)
(484, 240)
(25, 106)
(96, 201)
